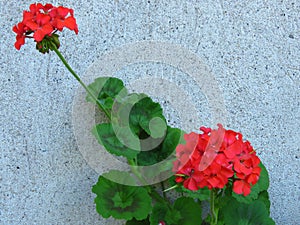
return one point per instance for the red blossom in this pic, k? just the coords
(43, 21)
(213, 158)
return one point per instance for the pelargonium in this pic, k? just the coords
(213, 158)
(44, 21)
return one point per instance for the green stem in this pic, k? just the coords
(154, 194)
(163, 189)
(213, 211)
(132, 164)
(79, 80)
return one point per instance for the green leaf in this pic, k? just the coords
(106, 89)
(149, 116)
(138, 222)
(261, 185)
(202, 194)
(121, 177)
(158, 214)
(107, 137)
(121, 201)
(237, 213)
(158, 163)
(190, 211)
(165, 149)
(185, 211)
(264, 197)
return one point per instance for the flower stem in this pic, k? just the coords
(79, 80)
(213, 211)
(150, 190)
(163, 189)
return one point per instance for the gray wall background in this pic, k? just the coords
(251, 47)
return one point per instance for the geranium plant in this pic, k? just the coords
(214, 166)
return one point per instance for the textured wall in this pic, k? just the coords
(250, 47)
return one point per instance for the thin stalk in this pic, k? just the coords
(79, 80)
(214, 216)
(162, 185)
(132, 163)
(150, 190)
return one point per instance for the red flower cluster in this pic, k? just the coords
(213, 158)
(43, 20)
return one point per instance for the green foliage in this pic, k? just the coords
(165, 149)
(237, 213)
(264, 197)
(261, 185)
(106, 89)
(148, 115)
(185, 211)
(138, 222)
(106, 136)
(138, 131)
(202, 194)
(121, 201)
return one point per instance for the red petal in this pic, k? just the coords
(32, 25)
(62, 11)
(252, 179)
(20, 41)
(247, 189)
(214, 181)
(238, 186)
(233, 149)
(39, 35)
(179, 179)
(27, 16)
(190, 184)
(59, 24)
(47, 28)
(205, 130)
(240, 168)
(48, 6)
(42, 19)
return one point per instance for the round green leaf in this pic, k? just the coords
(149, 116)
(185, 211)
(106, 89)
(107, 137)
(191, 212)
(121, 201)
(237, 213)
(138, 222)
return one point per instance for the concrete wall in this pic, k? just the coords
(251, 50)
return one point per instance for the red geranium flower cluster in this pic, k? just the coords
(43, 20)
(215, 157)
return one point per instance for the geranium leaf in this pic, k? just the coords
(190, 211)
(202, 194)
(185, 211)
(106, 89)
(149, 116)
(237, 213)
(158, 214)
(166, 148)
(107, 137)
(264, 197)
(261, 185)
(138, 222)
(158, 162)
(121, 201)
(122, 177)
